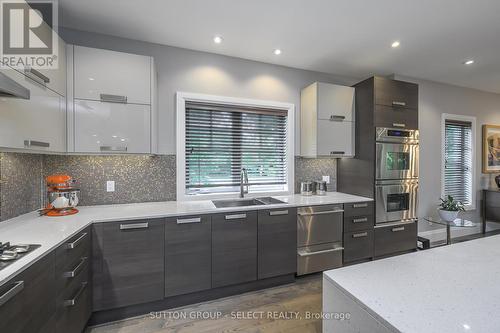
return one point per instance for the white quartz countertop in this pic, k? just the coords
(50, 232)
(452, 288)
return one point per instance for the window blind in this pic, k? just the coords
(221, 140)
(458, 161)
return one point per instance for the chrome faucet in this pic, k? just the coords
(243, 182)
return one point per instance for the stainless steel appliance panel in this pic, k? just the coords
(396, 200)
(318, 258)
(319, 224)
(397, 135)
(396, 161)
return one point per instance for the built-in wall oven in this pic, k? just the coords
(396, 173)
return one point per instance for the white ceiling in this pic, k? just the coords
(345, 37)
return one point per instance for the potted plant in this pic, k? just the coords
(449, 208)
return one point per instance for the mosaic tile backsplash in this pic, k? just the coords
(138, 178)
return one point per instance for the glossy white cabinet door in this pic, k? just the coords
(112, 127)
(107, 72)
(335, 102)
(335, 138)
(39, 121)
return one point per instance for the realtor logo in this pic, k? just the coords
(28, 33)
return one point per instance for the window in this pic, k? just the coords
(458, 159)
(220, 138)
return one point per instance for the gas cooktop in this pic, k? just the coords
(10, 253)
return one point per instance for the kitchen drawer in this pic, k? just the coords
(358, 245)
(277, 242)
(359, 222)
(396, 93)
(395, 238)
(319, 224)
(234, 248)
(188, 262)
(358, 209)
(70, 253)
(318, 258)
(394, 117)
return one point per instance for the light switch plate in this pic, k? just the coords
(110, 186)
(326, 179)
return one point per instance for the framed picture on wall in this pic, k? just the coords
(491, 149)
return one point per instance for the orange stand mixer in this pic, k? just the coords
(62, 196)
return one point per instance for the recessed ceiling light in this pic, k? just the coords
(395, 44)
(468, 62)
(277, 51)
(217, 39)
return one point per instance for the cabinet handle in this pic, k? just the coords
(278, 212)
(32, 143)
(74, 300)
(360, 205)
(360, 220)
(113, 98)
(398, 125)
(18, 286)
(187, 221)
(361, 234)
(131, 226)
(77, 242)
(337, 152)
(321, 213)
(337, 118)
(36, 75)
(302, 253)
(76, 270)
(114, 148)
(396, 103)
(236, 216)
(398, 229)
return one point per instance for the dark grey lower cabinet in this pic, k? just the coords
(188, 257)
(27, 302)
(128, 263)
(234, 248)
(358, 245)
(393, 239)
(277, 242)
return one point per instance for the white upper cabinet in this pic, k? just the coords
(327, 121)
(34, 123)
(111, 76)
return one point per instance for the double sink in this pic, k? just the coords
(246, 202)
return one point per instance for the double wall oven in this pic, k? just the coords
(396, 176)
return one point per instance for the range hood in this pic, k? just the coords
(12, 89)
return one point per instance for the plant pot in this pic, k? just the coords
(448, 215)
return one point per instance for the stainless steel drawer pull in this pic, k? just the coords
(361, 234)
(360, 205)
(113, 148)
(360, 220)
(36, 75)
(398, 125)
(398, 229)
(77, 241)
(322, 213)
(74, 300)
(303, 253)
(337, 152)
(113, 98)
(278, 212)
(32, 143)
(76, 270)
(396, 103)
(187, 221)
(18, 286)
(131, 226)
(337, 118)
(236, 216)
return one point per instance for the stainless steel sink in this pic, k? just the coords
(246, 202)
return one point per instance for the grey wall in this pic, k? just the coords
(199, 72)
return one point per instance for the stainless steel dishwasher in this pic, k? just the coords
(319, 238)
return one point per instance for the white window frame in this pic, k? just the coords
(183, 97)
(472, 120)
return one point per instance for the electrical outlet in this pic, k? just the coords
(110, 186)
(326, 179)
